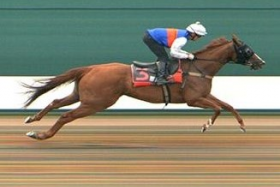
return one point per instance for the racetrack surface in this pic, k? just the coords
(142, 151)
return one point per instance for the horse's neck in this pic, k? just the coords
(212, 60)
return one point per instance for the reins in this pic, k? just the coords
(210, 60)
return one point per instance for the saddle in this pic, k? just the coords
(145, 73)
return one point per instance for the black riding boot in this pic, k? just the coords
(161, 79)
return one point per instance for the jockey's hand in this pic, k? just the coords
(192, 57)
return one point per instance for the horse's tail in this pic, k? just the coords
(49, 84)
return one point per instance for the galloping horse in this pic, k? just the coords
(98, 87)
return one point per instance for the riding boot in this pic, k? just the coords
(161, 79)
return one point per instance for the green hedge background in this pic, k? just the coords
(41, 37)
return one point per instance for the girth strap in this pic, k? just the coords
(166, 94)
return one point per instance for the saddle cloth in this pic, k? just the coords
(145, 74)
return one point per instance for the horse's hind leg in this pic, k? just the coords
(81, 111)
(57, 103)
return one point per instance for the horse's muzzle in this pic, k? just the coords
(256, 65)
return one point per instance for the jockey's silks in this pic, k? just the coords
(166, 36)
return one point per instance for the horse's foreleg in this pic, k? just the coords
(81, 111)
(57, 103)
(207, 103)
(229, 108)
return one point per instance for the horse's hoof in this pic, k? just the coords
(203, 129)
(28, 120)
(243, 129)
(32, 134)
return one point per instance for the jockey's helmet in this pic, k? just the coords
(197, 28)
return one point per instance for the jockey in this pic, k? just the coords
(158, 39)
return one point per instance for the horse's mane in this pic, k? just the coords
(214, 43)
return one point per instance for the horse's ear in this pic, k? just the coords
(236, 40)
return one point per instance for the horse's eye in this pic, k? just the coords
(248, 51)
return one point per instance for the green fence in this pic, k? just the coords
(48, 37)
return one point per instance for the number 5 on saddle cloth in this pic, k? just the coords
(145, 74)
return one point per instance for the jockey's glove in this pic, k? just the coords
(192, 57)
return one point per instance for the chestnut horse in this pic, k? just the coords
(98, 87)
